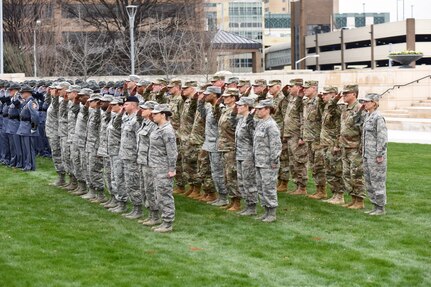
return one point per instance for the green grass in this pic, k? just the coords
(51, 238)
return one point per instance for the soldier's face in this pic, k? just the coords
(26, 95)
(349, 97)
(243, 89)
(273, 90)
(116, 108)
(218, 83)
(131, 84)
(262, 112)
(242, 109)
(310, 91)
(157, 87)
(326, 97)
(146, 113)
(129, 107)
(258, 89)
(157, 117)
(188, 91)
(228, 100)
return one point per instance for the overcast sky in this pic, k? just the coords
(421, 8)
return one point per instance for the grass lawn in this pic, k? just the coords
(51, 238)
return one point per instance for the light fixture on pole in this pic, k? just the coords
(131, 11)
(38, 22)
(306, 57)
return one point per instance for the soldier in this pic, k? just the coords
(267, 150)
(28, 128)
(260, 89)
(176, 103)
(162, 159)
(350, 142)
(232, 83)
(329, 136)
(246, 170)
(4, 120)
(12, 127)
(218, 80)
(210, 96)
(244, 87)
(147, 181)
(311, 135)
(296, 148)
(130, 86)
(226, 117)
(189, 152)
(374, 153)
(141, 90)
(157, 91)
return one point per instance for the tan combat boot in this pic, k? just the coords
(179, 190)
(338, 199)
(210, 197)
(282, 186)
(236, 204)
(196, 191)
(188, 192)
(301, 190)
(359, 204)
(351, 203)
(319, 194)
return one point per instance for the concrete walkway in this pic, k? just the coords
(398, 136)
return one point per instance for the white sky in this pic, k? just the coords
(421, 8)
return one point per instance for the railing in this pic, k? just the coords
(399, 86)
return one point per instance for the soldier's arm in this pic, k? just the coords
(202, 109)
(171, 149)
(193, 107)
(274, 144)
(118, 121)
(382, 136)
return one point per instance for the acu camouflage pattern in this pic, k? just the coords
(94, 162)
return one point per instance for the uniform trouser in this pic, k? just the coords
(147, 188)
(297, 161)
(333, 169)
(131, 178)
(107, 173)
(29, 155)
(11, 143)
(163, 186)
(65, 155)
(75, 155)
(217, 172)
(18, 150)
(180, 179)
(95, 170)
(84, 165)
(229, 168)
(117, 178)
(316, 161)
(189, 154)
(353, 172)
(54, 142)
(283, 173)
(246, 175)
(204, 172)
(266, 179)
(46, 149)
(4, 148)
(375, 180)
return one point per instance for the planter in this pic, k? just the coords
(405, 60)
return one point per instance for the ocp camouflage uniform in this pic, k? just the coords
(281, 102)
(102, 151)
(162, 159)
(159, 97)
(94, 162)
(117, 170)
(52, 134)
(329, 136)
(147, 180)
(350, 141)
(293, 122)
(311, 135)
(374, 144)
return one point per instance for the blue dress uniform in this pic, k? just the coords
(4, 141)
(12, 127)
(28, 131)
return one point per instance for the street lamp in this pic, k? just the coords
(306, 57)
(131, 11)
(38, 22)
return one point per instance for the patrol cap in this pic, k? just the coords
(26, 89)
(85, 92)
(102, 84)
(265, 104)
(174, 82)
(232, 80)
(148, 105)
(160, 81)
(133, 78)
(161, 108)
(350, 89)
(117, 101)
(189, 84)
(231, 92)
(14, 86)
(330, 89)
(243, 83)
(94, 97)
(203, 87)
(370, 97)
(143, 83)
(296, 82)
(132, 99)
(119, 84)
(53, 85)
(110, 84)
(245, 101)
(259, 82)
(310, 83)
(212, 89)
(274, 82)
(73, 88)
(216, 78)
(107, 98)
(62, 85)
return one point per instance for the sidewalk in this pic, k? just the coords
(398, 136)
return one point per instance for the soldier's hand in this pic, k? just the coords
(76, 100)
(171, 174)
(109, 109)
(87, 103)
(380, 159)
(164, 90)
(301, 142)
(149, 88)
(200, 96)
(362, 107)
(139, 113)
(195, 96)
(219, 100)
(253, 111)
(34, 105)
(235, 110)
(320, 95)
(338, 96)
(285, 90)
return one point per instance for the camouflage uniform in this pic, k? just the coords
(72, 116)
(117, 168)
(280, 103)
(78, 145)
(162, 160)
(94, 162)
(350, 141)
(63, 130)
(147, 184)
(51, 128)
(102, 151)
(292, 127)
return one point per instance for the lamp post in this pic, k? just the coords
(306, 57)
(131, 11)
(34, 48)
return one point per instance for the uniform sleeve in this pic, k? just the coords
(382, 136)
(202, 109)
(274, 144)
(171, 149)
